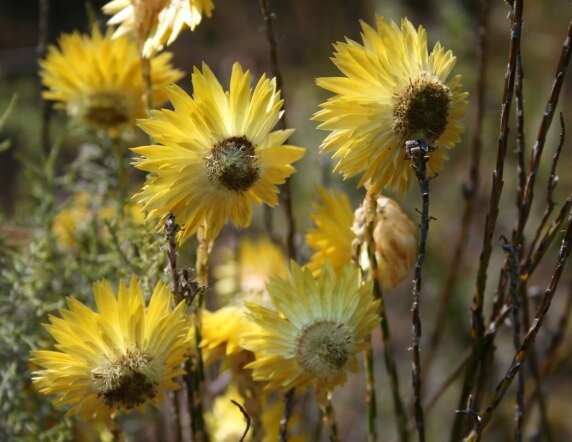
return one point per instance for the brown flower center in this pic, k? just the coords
(127, 382)
(107, 110)
(421, 110)
(232, 163)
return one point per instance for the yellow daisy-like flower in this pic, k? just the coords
(156, 23)
(393, 90)
(119, 358)
(216, 155)
(99, 80)
(331, 239)
(314, 330)
(248, 272)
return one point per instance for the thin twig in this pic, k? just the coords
(546, 122)
(246, 418)
(418, 152)
(43, 36)
(546, 240)
(514, 276)
(470, 191)
(551, 187)
(478, 324)
(530, 337)
(171, 230)
(285, 419)
(286, 194)
(370, 208)
(330, 419)
(371, 397)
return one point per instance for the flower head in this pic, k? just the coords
(331, 238)
(395, 237)
(216, 154)
(314, 330)
(393, 90)
(119, 358)
(99, 80)
(156, 23)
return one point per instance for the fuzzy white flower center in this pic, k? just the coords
(127, 382)
(324, 347)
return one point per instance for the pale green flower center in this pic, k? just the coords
(323, 348)
(421, 110)
(126, 382)
(233, 164)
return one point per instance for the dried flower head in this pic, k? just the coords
(395, 237)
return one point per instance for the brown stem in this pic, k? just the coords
(330, 419)
(470, 190)
(286, 194)
(418, 152)
(43, 35)
(478, 323)
(371, 398)
(514, 276)
(285, 419)
(530, 337)
(370, 206)
(246, 419)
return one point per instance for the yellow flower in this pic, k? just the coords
(226, 423)
(331, 239)
(314, 330)
(217, 155)
(393, 90)
(156, 23)
(248, 273)
(119, 358)
(99, 80)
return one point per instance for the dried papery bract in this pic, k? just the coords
(216, 172)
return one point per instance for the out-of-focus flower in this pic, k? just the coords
(216, 154)
(314, 329)
(156, 23)
(331, 238)
(393, 90)
(226, 423)
(256, 260)
(118, 358)
(99, 80)
(240, 280)
(73, 223)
